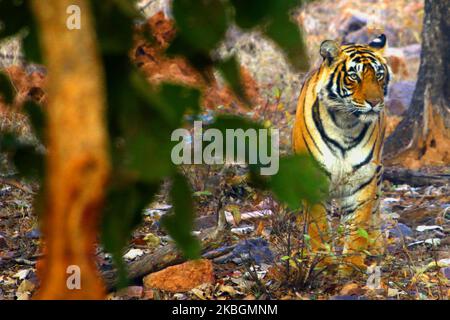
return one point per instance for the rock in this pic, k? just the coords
(399, 97)
(352, 23)
(400, 230)
(432, 242)
(181, 278)
(243, 230)
(412, 51)
(133, 254)
(446, 272)
(255, 250)
(366, 35)
(428, 228)
(33, 234)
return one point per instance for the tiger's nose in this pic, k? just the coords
(373, 102)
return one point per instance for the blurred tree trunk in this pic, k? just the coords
(423, 136)
(77, 165)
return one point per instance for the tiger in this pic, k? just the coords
(340, 122)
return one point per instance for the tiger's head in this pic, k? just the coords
(356, 78)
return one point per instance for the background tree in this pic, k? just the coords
(423, 136)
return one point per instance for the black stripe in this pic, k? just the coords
(307, 130)
(379, 167)
(386, 82)
(370, 137)
(321, 165)
(332, 114)
(366, 160)
(359, 138)
(362, 186)
(323, 134)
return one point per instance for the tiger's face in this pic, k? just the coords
(357, 78)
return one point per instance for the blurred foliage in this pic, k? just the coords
(309, 182)
(6, 88)
(141, 117)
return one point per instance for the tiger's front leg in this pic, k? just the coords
(362, 226)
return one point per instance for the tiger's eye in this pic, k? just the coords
(353, 76)
(380, 75)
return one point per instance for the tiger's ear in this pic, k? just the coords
(329, 50)
(379, 43)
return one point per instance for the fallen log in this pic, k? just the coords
(168, 255)
(414, 178)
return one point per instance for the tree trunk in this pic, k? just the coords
(77, 164)
(423, 136)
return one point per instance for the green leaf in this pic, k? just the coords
(288, 36)
(250, 13)
(15, 15)
(31, 44)
(201, 23)
(179, 225)
(202, 193)
(128, 8)
(147, 152)
(172, 101)
(143, 128)
(227, 121)
(114, 26)
(284, 258)
(29, 162)
(196, 57)
(363, 233)
(6, 88)
(37, 118)
(124, 204)
(231, 71)
(299, 178)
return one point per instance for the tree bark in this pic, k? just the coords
(77, 164)
(423, 136)
(415, 178)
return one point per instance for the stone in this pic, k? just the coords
(256, 251)
(446, 272)
(352, 23)
(33, 234)
(399, 97)
(181, 278)
(400, 230)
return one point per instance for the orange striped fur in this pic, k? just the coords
(340, 121)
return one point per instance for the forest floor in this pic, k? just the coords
(416, 220)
